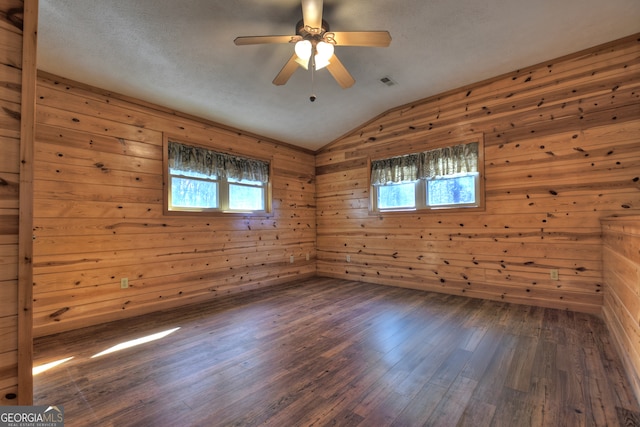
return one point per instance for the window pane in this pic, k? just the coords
(243, 197)
(193, 193)
(245, 181)
(452, 190)
(173, 171)
(397, 196)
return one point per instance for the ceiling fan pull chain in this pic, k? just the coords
(313, 67)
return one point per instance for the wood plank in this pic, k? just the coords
(8, 334)
(25, 239)
(11, 78)
(85, 123)
(11, 52)
(327, 351)
(10, 146)
(621, 257)
(58, 92)
(9, 362)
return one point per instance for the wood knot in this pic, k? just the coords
(59, 312)
(11, 113)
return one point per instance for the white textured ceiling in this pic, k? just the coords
(180, 54)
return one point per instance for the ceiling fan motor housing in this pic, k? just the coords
(305, 32)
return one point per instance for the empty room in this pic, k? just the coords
(309, 213)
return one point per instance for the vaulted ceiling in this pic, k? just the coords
(180, 54)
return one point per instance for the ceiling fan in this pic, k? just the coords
(314, 45)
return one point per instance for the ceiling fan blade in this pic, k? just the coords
(312, 13)
(242, 41)
(362, 38)
(340, 73)
(287, 71)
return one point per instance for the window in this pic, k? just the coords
(443, 178)
(202, 180)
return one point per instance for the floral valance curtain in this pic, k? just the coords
(461, 158)
(430, 164)
(395, 169)
(196, 159)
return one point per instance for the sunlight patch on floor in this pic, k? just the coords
(39, 369)
(135, 342)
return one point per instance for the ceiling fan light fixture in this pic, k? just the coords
(320, 63)
(304, 63)
(303, 49)
(324, 52)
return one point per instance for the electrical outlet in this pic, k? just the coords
(291, 259)
(553, 273)
(307, 256)
(348, 258)
(124, 283)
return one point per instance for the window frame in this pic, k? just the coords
(421, 196)
(223, 184)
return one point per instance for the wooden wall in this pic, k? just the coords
(621, 262)
(98, 213)
(18, 33)
(562, 151)
(11, 15)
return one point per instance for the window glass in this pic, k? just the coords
(193, 193)
(453, 190)
(246, 197)
(398, 196)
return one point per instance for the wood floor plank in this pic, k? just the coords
(452, 406)
(418, 411)
(519, 374)
(483, 355)
(513, 409)
(477, 414)
(340, 353)
(492, 380)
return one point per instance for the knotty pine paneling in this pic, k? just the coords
(562, 151)
(621, 264)
(11, 16)
(99, 217)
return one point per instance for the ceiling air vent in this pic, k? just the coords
(387, 81)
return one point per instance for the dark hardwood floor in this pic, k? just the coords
(332, 352)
